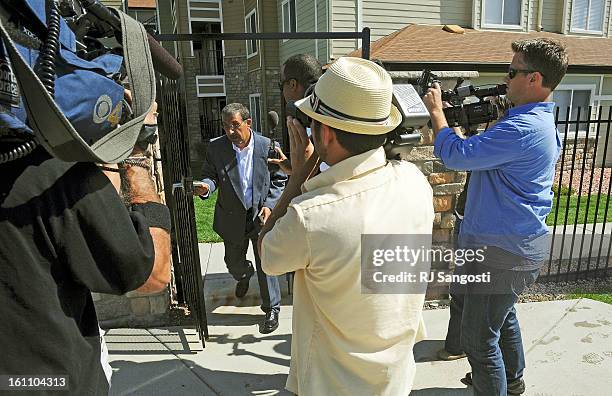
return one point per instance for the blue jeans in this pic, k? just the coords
(452, 344)
(490, 333)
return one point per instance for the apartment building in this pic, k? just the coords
(407, 35)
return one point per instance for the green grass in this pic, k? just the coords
(573, 202)
(204, 212)
(603, 297)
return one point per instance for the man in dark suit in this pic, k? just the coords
(236, 164)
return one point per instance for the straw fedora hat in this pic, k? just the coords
(353, 95)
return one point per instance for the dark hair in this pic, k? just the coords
(352, 142)
(546, 56)
(233, 108)
(304, 68)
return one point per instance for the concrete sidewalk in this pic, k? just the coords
(568, 350)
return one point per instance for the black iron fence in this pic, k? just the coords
(174, 144)
(581, 219)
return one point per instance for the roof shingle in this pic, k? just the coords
(429, 43)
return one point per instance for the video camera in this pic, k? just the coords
(79, 54)
(407, 98)
(414, 116)
(461, 114)
(91, 21)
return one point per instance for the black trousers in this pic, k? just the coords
(238, 267)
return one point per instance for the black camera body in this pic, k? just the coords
(461, 114)
(272, 153)
(292, 111)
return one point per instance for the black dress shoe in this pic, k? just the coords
(270, 323)
(242, 287)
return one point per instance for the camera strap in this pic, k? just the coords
(52, 128)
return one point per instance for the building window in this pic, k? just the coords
(587, 15)
(573, 98)
(503, 13)
(255, 109)
(251, 27)
(289, 19)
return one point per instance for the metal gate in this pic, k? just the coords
(174, 142)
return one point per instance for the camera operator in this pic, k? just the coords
(65, 231)
(297, 74)
(509, 197)
(316, 229)
(452, 345)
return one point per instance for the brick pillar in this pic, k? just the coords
(446, 184)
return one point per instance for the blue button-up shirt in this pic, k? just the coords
(513, 166)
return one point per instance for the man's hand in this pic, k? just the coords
(433, 98)
(302, 149)
(264, 214)
(200, 189)
(433, 102)
(283, 162)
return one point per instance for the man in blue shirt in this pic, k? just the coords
(509, 197)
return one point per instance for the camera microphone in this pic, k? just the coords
(163, 62)
(272, 121)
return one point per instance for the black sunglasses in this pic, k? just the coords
(512, 72)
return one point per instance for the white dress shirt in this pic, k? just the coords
(245, 168)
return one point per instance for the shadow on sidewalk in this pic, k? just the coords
(172, 377)
(427, 350)
(239, 349)
(442, 392)
(230, 319)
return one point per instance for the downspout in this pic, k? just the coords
(316, 27)
(359, 21)
(330, 28)
(262, 66)
(540, 13)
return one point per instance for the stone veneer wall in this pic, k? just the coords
(584, 147)
(191, 68)
(446, 184)
(236, 72)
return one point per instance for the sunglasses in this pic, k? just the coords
(512, 72)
